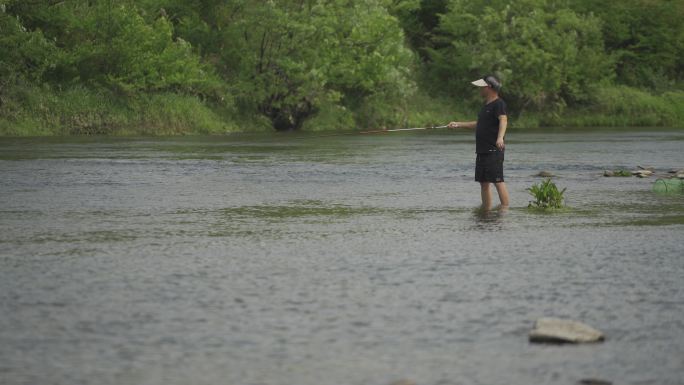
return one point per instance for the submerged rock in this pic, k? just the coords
(642, 173)
(560, 331)
(545, 174)
(622, 173)
(594, 381)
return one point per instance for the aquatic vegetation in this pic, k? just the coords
(669, 186)
(622, 173)
(617, 173)
(546, 195)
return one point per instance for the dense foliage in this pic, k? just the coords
(328, 64)
(550, 55)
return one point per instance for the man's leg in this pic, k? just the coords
(486, 196)
(503, 193)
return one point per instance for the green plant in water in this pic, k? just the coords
(546, 195)
(622, 173)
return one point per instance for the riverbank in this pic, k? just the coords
(34, 111)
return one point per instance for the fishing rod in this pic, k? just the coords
(372, 132)
(401, 129)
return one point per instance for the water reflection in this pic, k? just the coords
(489, 220)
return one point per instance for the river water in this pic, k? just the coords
(343, 260)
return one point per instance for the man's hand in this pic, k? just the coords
(453, 125)
(500, 144)
(503, 124)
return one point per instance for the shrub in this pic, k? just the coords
(547, 55)
(546, 195)
(619, 105)
(116, 48)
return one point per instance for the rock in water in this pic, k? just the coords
(651, 169)
(594, 381)
(545, 174)
(642, 173)
(560, 331)
(608, 173)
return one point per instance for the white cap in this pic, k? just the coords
(480, 83)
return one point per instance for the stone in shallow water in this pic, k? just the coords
(560, 331)
(594, 381)
(545, 174)
(642, 173)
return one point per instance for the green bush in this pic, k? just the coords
(646, 38)
(676, 100)
(546, 195)
(84, 111)
(24, 55)
(435, 110)
(625, 106)
(172, 114)
(330, 117)
(114, 46)
(288, 60)
(179, 66)
(547, 55)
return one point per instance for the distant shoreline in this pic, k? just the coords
(82, 111)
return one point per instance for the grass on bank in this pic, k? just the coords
(36, 111)
(616, 106)
(421, 110)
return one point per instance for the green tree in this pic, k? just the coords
(113, 45)
(420, 19)
(287, 59)
(547, 55)
(110, 43)
(25, 55)
(646, 38)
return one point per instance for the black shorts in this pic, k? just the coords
(489, 167)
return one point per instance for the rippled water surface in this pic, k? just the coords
(335, 260)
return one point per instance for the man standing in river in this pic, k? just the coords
(490, 130)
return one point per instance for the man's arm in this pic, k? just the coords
(503, 124)
(470, 125)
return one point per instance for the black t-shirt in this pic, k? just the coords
(488, 126)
